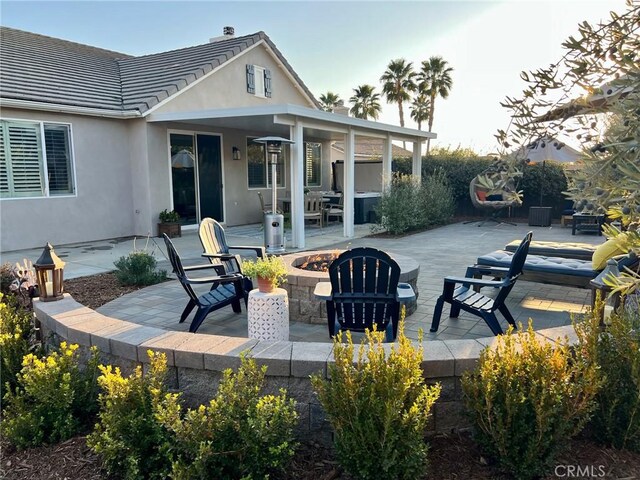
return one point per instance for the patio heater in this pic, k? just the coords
(274, 222)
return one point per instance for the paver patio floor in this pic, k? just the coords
(439, 252)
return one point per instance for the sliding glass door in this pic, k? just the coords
(196, 176)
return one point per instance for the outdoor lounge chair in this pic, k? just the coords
(216, 249)
(464, 294)
(226, 289)
(554, 270)
(578, 251)
(364, 291)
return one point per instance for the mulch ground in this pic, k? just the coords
(451, 457)
(96, 290)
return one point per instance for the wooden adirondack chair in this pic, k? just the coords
(467, 296)
(226, 289)
(363, 292)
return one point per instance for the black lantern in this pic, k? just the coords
(49, 269)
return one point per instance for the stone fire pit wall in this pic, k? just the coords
(305, 308)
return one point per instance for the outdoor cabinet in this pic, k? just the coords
(539, 216)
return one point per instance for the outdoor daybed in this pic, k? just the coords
(580, 251)
(555, 270)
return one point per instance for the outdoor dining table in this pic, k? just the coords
(286, 203)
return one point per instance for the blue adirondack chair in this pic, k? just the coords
(463, 293)
(226, 289)
(364, 291)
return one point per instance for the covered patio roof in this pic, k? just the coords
(294, 122)
(278, 118)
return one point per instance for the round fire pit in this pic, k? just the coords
(306, 269)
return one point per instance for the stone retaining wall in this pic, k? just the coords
(196, 361)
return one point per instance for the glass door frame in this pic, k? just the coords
(193, 133)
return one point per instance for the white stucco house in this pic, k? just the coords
(95, 143)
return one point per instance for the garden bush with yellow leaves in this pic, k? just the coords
(129, 437)
(526, 399)
(17, 334)
(239, 434)
(378, 405)
(54, 398)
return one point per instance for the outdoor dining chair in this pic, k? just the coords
(226, 289)
(463, 293)
(313, 207)
(335, 210)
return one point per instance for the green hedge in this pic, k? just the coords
(459, 170)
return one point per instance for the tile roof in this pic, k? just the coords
(372, 147)
(44, 69)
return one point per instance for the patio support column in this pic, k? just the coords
(349, 183)
(416, 167)
(387, 159)
(297, 185)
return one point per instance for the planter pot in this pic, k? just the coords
(171, 229)
(264, 285)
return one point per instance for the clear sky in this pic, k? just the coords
(339, 45)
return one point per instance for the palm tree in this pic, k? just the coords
(435, 80)
(366, 103)
(397, 83)
(420, 108)
(329, 101)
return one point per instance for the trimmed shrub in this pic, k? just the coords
(526, 398)
(54, 398)
(408, 205)
(17, 335)
(398, 207)
(139, 268)
(131, 440)
(378, 407)
(238, 435)
(616, 353)
(436, 200)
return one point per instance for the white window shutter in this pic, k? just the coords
(25, 159)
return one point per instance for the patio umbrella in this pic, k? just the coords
(182, 159)
(546, 148)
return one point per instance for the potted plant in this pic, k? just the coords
(270, 272)
(169, 224)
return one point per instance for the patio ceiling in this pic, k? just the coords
(277, 119)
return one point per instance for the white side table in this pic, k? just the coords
(268, 315)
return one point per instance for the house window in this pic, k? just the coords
(258, 167)
(312, 164)
(259, 81)
(35, 159)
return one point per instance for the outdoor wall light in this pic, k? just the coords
(49, 270)
(236, 153)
